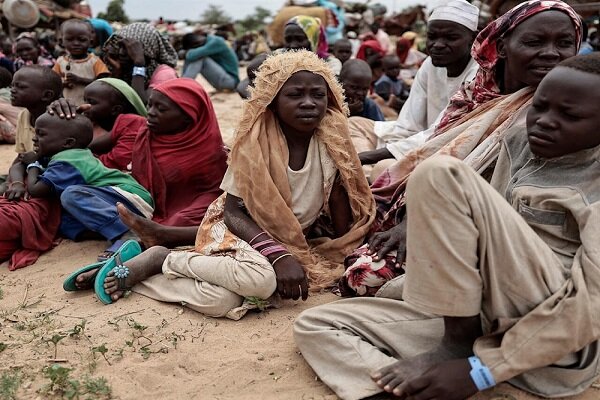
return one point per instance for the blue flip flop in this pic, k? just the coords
(128, 250)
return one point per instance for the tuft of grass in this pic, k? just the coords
(9, 384)
(98, 387)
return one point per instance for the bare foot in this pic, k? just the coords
(85, 280)
(140, 267)
(146, 230)
(390, 377)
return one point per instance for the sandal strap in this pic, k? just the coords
(121, 272)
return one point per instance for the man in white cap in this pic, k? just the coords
(451, 29)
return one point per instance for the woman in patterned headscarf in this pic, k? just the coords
(305, 32)
(514, 52)
(139, 55)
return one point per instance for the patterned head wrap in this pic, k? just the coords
(485, 86)
(314, 31)
(157, 48)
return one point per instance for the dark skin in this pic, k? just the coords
(563, 118)
(27, 91)
(356, 83)
(449, 45)
(294, 38)
(546, 39)
(300, 106)
(28, 50)
(342, 50)
(121, 61)
(76, 39)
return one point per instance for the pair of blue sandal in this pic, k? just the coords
(126, 252)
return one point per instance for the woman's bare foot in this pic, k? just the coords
(141, 267)
(146, 230)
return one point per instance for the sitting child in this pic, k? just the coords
(390, 87)
(251, 70)
(78, 68)
(508, 271)
(342, 50)
(295, 202)
(88, 190)
(28, 227)
(355, 78)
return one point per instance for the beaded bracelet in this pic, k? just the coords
(267, 251)
(280, 257)
(480, 374)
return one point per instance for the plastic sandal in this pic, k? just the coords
(133, 249)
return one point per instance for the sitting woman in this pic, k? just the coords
(305, 32)
(139, 55)
(29, 52)
(514, 52)
(295, 202)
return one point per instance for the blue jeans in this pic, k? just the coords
(212, 72)
(90, 208)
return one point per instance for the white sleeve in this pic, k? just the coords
(401, 147)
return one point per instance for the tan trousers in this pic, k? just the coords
(212, 285)
(469, 253)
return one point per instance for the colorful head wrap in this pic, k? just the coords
(314, 31)
(485, 86)
(128, 92)
(369, 44)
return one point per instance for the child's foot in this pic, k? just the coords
(140, 268)
(146, 230)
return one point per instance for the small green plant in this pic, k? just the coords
(102, 350)
(9, 384)
(54, 340)
(3, 346)
(61, 382)
(97, 387)
(1, 293)
(261, 304)
(78, 330)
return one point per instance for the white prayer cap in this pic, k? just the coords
(459, 11)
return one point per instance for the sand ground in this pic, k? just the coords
(146, 349)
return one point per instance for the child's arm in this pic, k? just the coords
(35, 186)
(16, 180)
(341, 212)
(291, 278)
(75, 80)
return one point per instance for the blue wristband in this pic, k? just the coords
(139, 71)
(481, 375)
(35, 164)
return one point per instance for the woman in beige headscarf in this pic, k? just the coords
(296, 201)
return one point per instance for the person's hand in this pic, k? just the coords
(71, 80)
(291, 279)
(448, 380)
(382, 243)
(374, 156)
(135, 51)
(63, 108)
(15, 192)
(28, 158)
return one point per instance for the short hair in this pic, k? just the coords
(75, 21)
(342, 40)
(5, 77)
(585, 63)
(79, 127)
(357, 65)
(390, 58)
(50, 79)
(187, 41)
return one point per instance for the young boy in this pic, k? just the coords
(355, 78)
(389, 87)
(508, 271)
(342, 50)
(88, 191)
(33, 87)
(78, 68)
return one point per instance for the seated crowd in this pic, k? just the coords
(463, 228)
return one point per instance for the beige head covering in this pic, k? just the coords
(459, 11)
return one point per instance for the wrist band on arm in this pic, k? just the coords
(267, 251)
(280, 257)
(480, 374)
(255, 237)
(35, 164)
(139, 71)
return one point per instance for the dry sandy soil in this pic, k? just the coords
(143, 349)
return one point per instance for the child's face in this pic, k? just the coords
(27, 50)
(164, 116)
(76, 38)
(356, 86)
(101, 98)
(295, 38)
(342, 50)
(301, 103)
(47, 140)
(391, 67)
(27, 88)
(564, 116)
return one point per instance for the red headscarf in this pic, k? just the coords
(182, 171)
(485, 86)
(402, 51)
(371, 44)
